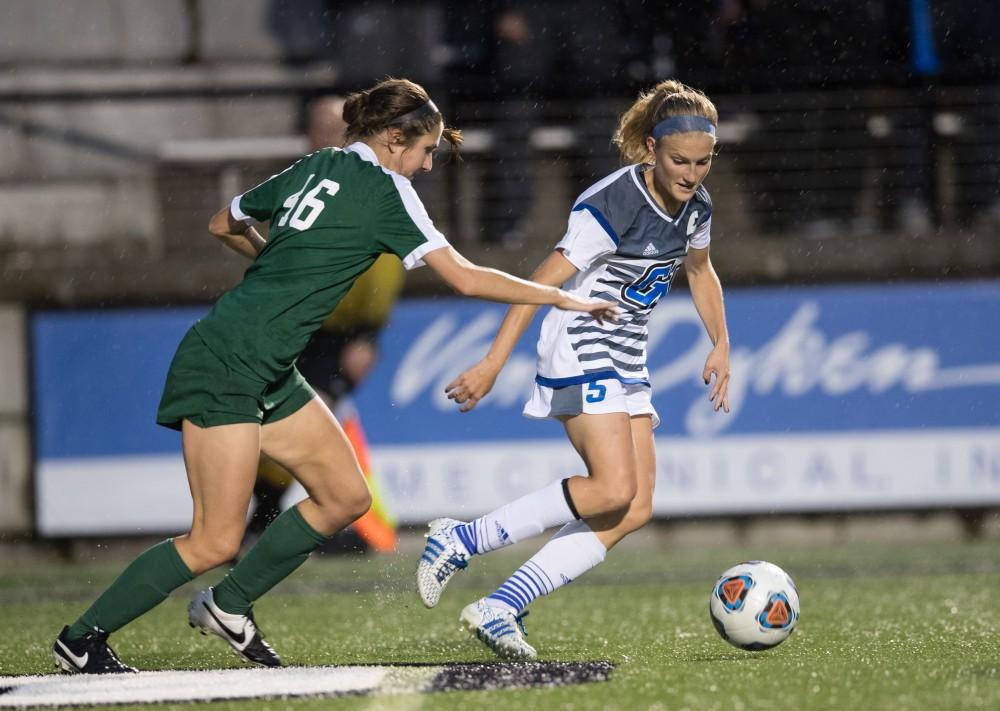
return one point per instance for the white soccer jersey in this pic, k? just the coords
(627, 250)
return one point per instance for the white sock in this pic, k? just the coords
(571, 553)
(518, 520)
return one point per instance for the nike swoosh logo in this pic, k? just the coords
(238, 638)
(80, 662)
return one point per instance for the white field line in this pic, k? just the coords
(180, 686)
(289, 682)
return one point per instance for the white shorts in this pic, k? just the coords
(597, 398)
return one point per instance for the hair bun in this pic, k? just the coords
(355, 105)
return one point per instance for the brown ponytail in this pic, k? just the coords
(668, 98)
(373, 110)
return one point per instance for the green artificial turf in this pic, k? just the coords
(883, 626)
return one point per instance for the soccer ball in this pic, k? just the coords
(754, 605)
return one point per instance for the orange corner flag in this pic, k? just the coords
(376, 527)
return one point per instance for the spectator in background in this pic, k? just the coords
(935, 46)
(336, 360)
(970, 50)
(304, 29)
(908, 200)
(325, 125)
(815, 184)
(512, 65)
(783, 49)
(499, 54)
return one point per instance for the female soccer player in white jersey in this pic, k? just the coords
(627, 237)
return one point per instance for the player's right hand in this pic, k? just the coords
(472, 386)
(600, 309)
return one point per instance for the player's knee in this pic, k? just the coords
(617, 493)
(346, 505)
(226, 549)
(359, 503)
(620, 501)
(212, 551)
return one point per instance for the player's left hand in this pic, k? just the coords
(717, 364)
(472, 386)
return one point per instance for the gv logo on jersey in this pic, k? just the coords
(645, 291)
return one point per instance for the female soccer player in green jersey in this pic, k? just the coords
(233, 390)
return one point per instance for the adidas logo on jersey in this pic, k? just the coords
(650, 250)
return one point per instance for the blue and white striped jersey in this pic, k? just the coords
(627, 250)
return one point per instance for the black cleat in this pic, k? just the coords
(88, 655)
(239, 631)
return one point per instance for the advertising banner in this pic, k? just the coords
(843, 398)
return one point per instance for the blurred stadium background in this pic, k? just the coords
(856, 230)
(859, 149)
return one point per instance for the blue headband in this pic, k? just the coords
(683, 124)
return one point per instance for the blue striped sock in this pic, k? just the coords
(528, 582)
(573, 551)
(476, 539)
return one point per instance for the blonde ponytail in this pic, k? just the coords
(666, 99)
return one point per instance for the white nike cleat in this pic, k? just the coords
(499, 629)
(444, 555)
(240, 631)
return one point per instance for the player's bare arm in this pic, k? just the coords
(706, 292)
(475, 383)
(237, 235)
(470, 279)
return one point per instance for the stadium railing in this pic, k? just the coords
(890, 183)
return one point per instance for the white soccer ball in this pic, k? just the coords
(754, 605)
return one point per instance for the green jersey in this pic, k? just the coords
(332, 214)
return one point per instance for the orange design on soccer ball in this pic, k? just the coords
(732, 590)
(778, 616)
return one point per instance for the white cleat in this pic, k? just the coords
(499, 629)
(444, 555)
(239, 631)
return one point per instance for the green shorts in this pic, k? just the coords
(202, 388)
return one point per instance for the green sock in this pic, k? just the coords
(143, 585)
(285, 545)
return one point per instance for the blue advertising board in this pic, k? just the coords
(842, 398)
(803, 360)
(98, 376)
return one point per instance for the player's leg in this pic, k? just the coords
(310, 444)
(604, 442)
(581, 545)
(577, 547)
(220, 462)
(450, 543)
(313, 447)
(610, 528)
(221, 494)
